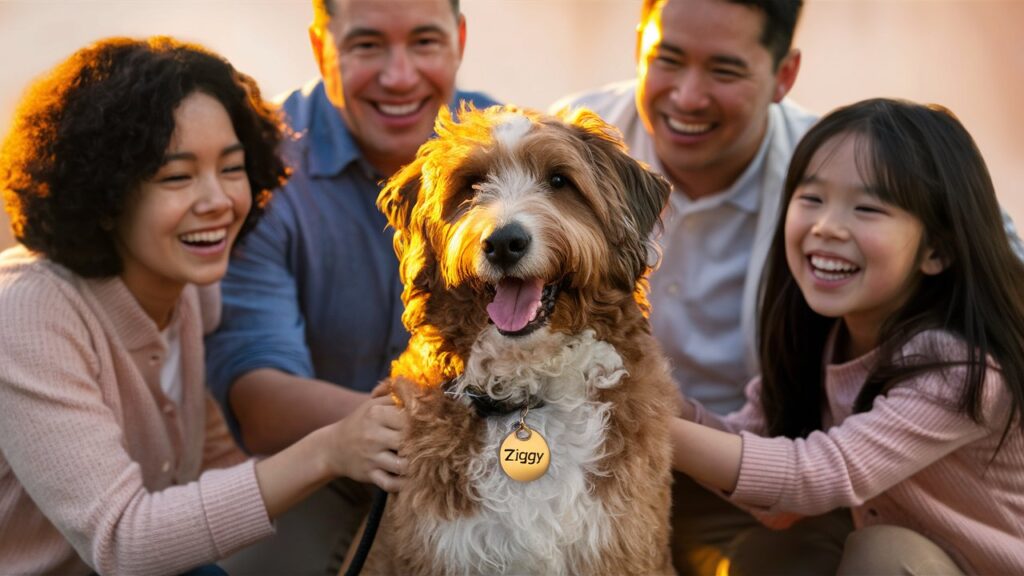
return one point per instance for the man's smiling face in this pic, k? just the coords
(388, 67)
(706, 82)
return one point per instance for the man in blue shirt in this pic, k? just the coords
(312, 307)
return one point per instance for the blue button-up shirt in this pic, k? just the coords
(313, 290)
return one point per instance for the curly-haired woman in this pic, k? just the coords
(130, 171)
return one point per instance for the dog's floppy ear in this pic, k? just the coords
(638, 192)
(399, 195)
(646, 192)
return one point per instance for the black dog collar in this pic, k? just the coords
(486, 406)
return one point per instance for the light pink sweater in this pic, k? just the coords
(98, 469)
(913, 460)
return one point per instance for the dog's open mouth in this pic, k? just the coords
(520, 306)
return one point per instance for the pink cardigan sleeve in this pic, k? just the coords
(913, 426)
(749, 418)
(65, 445)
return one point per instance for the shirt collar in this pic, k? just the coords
(745, 193)
(328, 142)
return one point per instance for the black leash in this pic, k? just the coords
(380, 498)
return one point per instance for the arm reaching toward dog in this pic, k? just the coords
(707, 447)
(362, 446)
(294, 404)
(709, 456)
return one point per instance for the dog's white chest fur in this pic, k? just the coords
(549, 525)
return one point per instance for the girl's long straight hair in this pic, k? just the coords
(921, 159)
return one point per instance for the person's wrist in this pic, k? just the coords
(326, 461)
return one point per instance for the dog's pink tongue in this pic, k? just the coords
(515, 303)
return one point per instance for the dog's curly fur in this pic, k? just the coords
(586, 211)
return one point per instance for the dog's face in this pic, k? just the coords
(519, 220)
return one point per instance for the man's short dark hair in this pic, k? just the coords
(780, 21)
(90, 132)
(324, 9)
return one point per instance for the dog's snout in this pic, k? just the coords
(506, 245)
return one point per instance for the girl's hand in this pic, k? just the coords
(364, 445)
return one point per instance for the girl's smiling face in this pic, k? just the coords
(179, 226)
(853, 256)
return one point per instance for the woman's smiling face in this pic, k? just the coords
(179, 226)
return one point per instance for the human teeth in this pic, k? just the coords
(831, 269)
(398, 109)
(830, 275)
(687, 128)
(832, 265)
(207, 237)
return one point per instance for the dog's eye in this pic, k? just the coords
(558, 181)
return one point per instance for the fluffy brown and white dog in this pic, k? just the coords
(523, 241)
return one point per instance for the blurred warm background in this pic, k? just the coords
(965, 54)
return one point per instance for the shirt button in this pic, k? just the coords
(168, 408)
(166, 467)
(673, 288)
(154, 359)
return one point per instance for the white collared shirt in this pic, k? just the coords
(696, 291)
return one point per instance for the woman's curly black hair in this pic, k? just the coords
(87, 134)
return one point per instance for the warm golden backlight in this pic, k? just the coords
(649, 40)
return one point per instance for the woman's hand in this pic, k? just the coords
(383, 388)
(364, 445)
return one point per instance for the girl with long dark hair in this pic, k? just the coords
(892, 351)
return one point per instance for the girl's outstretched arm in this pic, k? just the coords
(710, 456)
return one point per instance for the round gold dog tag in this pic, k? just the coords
(524, 454)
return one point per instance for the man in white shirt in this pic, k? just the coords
(707, 110)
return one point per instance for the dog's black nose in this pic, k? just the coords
(506, 245)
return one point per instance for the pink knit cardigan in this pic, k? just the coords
(913, 460)
(98, 469)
